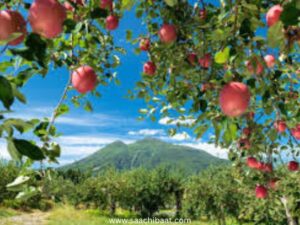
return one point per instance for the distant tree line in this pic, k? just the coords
(214, 194)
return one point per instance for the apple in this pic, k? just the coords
(280, 126)
(205, 61)
(202, 14)
(46, 18)
(112, 22)
(266, 167)
(296, 132)
(234, 99)
(252, 162)
(12, 22)
(69, 7)
(145, 44)
(84, 79)
(293, 166)
(149, 68)
(255, 62)
(261, 191)
(244, 143)
(270, 61)
(246, 131)
(273, 183)
(192, 58)
(106, 4)
(273, 15)
(293, 95)
(168, 33)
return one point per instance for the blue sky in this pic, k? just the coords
(114, 117)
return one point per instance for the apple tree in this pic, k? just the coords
(232, 70)
(38, 37)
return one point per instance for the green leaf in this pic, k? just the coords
(276, 36)
(203, 105)
(199, 131)
(127, 4)
(88, 107)
(99, 13)
(28, 149)
(128, 35)
(222, 57)
(13, 151)
(6, 92)
(18, 183)
(62, 109)
(27, 194)
(171, 3)
(19, 124)
(291, 13)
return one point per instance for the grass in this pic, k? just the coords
(67, 215)
(4, 213)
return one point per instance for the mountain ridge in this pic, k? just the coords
(148, 153)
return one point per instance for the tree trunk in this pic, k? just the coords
(178, 196)
(291, 220)
(113, 207)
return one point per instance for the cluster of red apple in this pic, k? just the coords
(46, 18)
(234, 101)
(234, 97)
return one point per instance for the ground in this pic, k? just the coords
(66, 215)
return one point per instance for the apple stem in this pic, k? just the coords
(236, 16)
(62, 98)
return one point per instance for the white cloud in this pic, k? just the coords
(85, 139)
(79, 119)
(181, 136)
(175, 121)
(3, 151)
(147, 132)
(209, 148)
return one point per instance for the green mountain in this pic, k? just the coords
(147, 153)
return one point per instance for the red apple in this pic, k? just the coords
(259, 68)
(202, 14)
(246, 131)
(273, 183)
(261, 191)
(296, 132)
(106, 4)
(12, 22)
(234, 99)
(69, 7)
(244, 144)
(46, 18)
(84, 79)
(205, 61)
(145, 44)
(270, 61)
(168, 33)
(192, 57)
(293, 166)
(273, 15)
(252, 162)
(149, 68)
(266, 167)
(280, 126)
(112, 22)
